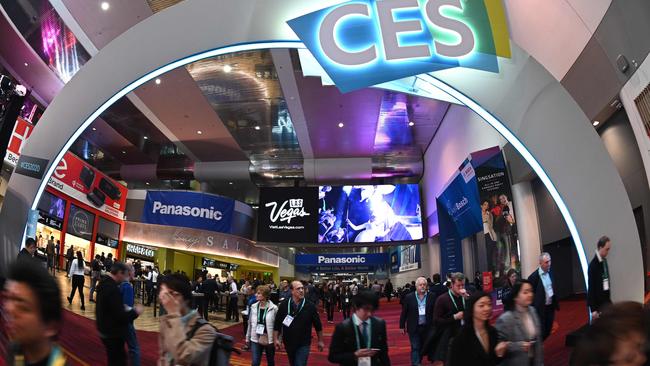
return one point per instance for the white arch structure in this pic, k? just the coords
(523, 102)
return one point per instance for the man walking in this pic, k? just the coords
(417, 318)
(545, 301)
(233, 303)
(448, 316)
(293, 322)
(598, 296)
(113, 318)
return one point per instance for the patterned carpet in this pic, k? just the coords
(83, 346)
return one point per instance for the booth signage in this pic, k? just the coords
(80, 223)
(288, 215)
(213, 263)
(374, 259)
(22, 131)
(31, 166)
(140, 250)
(49, 221)
(105, 240)
(362, 43)
(189, 209)
(88, 185)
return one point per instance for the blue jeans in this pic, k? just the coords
(257, 349)
(134, 348)
(416, 338)
(298, 356)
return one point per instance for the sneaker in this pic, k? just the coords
(83, 308)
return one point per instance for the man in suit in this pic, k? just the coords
(438, 288)
(598, 295)
(545, 301)
(361, 339)
(448, 316)
(417, 317)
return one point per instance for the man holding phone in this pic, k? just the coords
(361, 339)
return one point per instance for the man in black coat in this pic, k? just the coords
(417, 318)
(361, 336)
(438, 288)
(209, 289)
(112, 316)
(29, 250)
(545, 301)
(598, 295)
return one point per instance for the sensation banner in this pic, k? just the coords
(188, 209)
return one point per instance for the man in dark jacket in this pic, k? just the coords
(388, 290)
(448, 316)
(362, 337)
(113, 318)
(545, 301)
(438, 288)
(598, 295)
(209, 289)
(28, 251)
(417, 318)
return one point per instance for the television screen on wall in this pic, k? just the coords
(369, 214)
(52, 205)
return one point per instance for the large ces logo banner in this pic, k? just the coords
(288, 215)
(188, 209)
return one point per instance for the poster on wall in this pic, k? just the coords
(189, 209)
(498, 214)
(288, 215)
(88, 185)
(80, 223)
(405, 258)
(369, 214)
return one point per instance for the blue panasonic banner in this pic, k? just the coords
(342, 262)
(189, 209)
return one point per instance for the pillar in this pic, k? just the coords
(530, 242)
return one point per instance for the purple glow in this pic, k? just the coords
(59, 45)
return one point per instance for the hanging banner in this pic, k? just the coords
(451, 250)
(22, 130)
(288, 215)
(497, 211)
(88, 185)
(189, 209)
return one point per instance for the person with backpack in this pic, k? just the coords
(185, 337)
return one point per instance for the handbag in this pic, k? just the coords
(263, 340)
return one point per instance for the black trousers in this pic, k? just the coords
(330, 311)
(547, 320)
(232, 313)
(115, 353)
(78, 283)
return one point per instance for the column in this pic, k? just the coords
(530, 243)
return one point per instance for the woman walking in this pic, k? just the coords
(346, 298)
(77, 274)
(259, 334)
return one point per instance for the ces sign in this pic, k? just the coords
(362, 43)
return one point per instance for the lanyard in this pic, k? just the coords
(289, 307)
(422, 302)
(367, 335)
(454, 301)
(262, 320)
(605, 269)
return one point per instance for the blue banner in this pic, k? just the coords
(451, 250)
(189, 209)
(460, 200)
(352, 259)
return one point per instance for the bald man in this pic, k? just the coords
(293, 322)
(417, 317)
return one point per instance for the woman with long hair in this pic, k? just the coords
(476, 344)
(77, 274)
(521, 329)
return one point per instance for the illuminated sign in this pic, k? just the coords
(362, 43)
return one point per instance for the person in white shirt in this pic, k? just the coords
(232, 313)
(78, 279)
(259, 333)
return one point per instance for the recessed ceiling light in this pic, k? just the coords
(341, 125)
(596, 123)
(231, 183)
(26, 64)
(147, 183)
(411, 123)
(257, 127)
(94, 129)
(199, 132)
(227, 68)
(146, 138)
(158, 81)
(105, 5)
(123, 152)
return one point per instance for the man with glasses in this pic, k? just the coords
(293, 322)
(361, 340)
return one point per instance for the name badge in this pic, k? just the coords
(606, 284)
(287, 321)
(422, 310)
(260, 329)
(364, 361)
(347, 301)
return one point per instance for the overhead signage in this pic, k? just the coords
(140, 250)
(31, 166)
(88, 185)
(213, 263)
(107, 241)
(22, 131)
(189, 209)
(288, 215)
(373, 259)
(362, 43)
(80, 223)
(405, 258)
(50, 221)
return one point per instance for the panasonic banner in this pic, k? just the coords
(353, 262)
(188, 209)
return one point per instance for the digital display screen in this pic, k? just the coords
(52, 205)
(369, 214)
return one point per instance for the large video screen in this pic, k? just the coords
(51, 205)
(369, 214)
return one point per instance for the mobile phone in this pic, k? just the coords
(375, 349)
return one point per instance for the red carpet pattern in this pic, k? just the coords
(80, 341)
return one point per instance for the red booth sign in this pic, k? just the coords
(487, 282)
(22, 130)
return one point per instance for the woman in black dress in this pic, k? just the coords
(476, 344)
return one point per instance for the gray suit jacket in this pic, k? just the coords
(511, 329)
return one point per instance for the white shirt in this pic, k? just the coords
(233, 288)
(548, 286)
(75, 270)
(154, 277)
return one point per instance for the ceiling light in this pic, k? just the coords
(147, 183)
(231, 183)
(341, 125)
(199, 132)
(123, 152)
(227, 68)
(411, 123)
(257, 127)
(146, 138)
(26, 64)
(94, 129)
(105, 5)
(158, 81)
(596, 123)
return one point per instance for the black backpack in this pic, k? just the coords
(222, 346)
